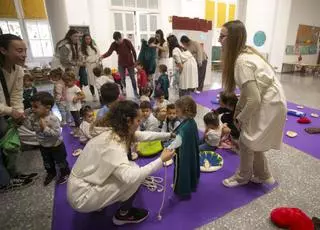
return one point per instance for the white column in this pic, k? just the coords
(57, 15)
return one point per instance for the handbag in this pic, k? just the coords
(11, 140)
(4, 126)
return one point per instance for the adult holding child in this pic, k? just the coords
(91, 56)
(261, 111)
(104, 175)
(186, 66)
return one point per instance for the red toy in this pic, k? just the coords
(291, 218)
(304, 120)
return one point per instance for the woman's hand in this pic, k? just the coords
(167, 154)
(17, 115)
(173, 135)
(180, 67)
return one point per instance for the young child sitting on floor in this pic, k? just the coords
(172, 121)
(149, 122)
(227, 107)
(48, 132)
(109, 94)
(213, 132)
(161, 115)
(145, 94)
(74, 96)
(187, 163)
(59, 93)
(87, 115)
(101, 79)
(28, 90)
(160, 100)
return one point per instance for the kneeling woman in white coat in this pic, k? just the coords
(104, 175)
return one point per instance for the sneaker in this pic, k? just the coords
(26, 176)
(49, 178)
(63, 179)
(197, 91)
(257, 180)
(133, 216)
(232, 182)
(16, 184)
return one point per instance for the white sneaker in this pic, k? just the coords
(231, 182)
(257, 180)
(197, 92)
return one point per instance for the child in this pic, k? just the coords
(101, 79)
(187, 164)
(145, 94)
(142, 77)
(213, 131)
(161, 115)
(74, 96)
(109, 94)
(163, 82)
(107, 72)
(117, 79)
(149, 122)
(160, 100)
(48, 132)
(171, 122)
(87, 119)
(227, 107)
(59, 93)
(28, 90)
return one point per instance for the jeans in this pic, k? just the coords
(76, 118)
(55, 156)
(202, 74)
(122, 71)
(10, 161)
(206, 147)
(4, 174)
(63, 111)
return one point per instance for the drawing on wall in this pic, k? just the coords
(307, 39)
(259, 38)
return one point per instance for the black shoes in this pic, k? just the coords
(16, 184)
(132, 216)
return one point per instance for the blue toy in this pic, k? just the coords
(296, 113)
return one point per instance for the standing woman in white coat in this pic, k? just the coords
(261, 111)
(91, 56)
(104, 174)
(186, 66)
(162, 51)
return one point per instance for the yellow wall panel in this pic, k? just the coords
(7, 9)
(232, 12)
(34, 9)
(209, 14)
(222, 13)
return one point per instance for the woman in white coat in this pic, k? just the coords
(162, 52)
(91, 56)
(261, 111)
(103, 174)
(186, 66)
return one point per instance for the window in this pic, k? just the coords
(11, 26)
(39, 38)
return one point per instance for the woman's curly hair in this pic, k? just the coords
(117, 119)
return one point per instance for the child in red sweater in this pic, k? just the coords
(141, 76)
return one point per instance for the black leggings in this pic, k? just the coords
(92, 90)
(76, 118)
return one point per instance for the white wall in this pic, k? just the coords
(260, 17)
(278, 42)
(302, 12)
(77, 12)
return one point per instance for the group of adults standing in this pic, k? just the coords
(82, 55)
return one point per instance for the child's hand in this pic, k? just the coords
(167, 154)
(42, 123)
(173, 135)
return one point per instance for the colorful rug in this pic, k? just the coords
(305, 142)
(211, 201)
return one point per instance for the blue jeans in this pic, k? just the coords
(4, 174)
(206, 147)
(122, 71)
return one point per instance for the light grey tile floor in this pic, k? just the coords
(296, 172)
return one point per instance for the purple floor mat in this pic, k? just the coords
(211, 201)
(305, 142)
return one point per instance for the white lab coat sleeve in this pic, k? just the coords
(131, 175)
(151, 136)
